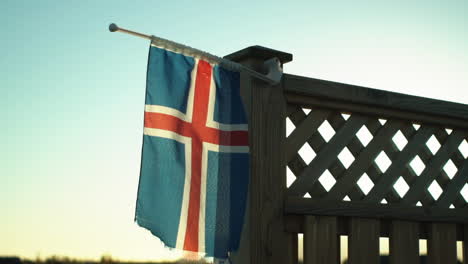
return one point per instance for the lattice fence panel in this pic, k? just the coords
(338, 156)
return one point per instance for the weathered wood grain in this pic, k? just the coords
(267, 131)
(375, 101)
(404, 242)
(266, 134)
(303, 206)
(321, 240)
(441, 245)
(363, 241)
(295, 224)
(465, 244)
(292, 250)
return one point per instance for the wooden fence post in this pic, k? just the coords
(266, 108)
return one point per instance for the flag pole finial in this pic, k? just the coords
(113, 27)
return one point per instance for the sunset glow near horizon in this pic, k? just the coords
(73, 96)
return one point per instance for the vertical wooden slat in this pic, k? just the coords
(442, 244)
(363, 242)
(321, 240)
(292, 250)
(404, 242)
(465, 244)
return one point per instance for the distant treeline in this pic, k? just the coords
(109, 260)
(67, 260)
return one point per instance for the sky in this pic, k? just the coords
(72, 95)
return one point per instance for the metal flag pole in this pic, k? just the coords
(272, 66)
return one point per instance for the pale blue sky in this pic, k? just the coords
(73, 95)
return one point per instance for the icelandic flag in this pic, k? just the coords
(195, 165)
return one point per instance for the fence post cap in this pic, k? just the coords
(261, 53)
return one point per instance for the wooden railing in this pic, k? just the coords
(389, 165)
(376, 164)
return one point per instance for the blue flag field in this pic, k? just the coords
(195, 164)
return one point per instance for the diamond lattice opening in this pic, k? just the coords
(448, 130)
(383, 201)
(327, 180)
(464, 192)
(416, 126)
(346, 157)
(346, 198)
(401, 187)
(418, 204)
(326, 130)
(383, 162)
(400, 140)
(451, 206)
(464, 149)
(365, 183)
(307, 195)
(450, 169)
(307, 153)
(306, 110)
(345, 116)
(417, 165)
(364, 135)
(435, 190)
(290, 177)
(289, 127)
(433, 144)
(382, 121)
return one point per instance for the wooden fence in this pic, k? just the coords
(403, 178)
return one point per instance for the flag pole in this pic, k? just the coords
(114, 28)
(272, 67)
